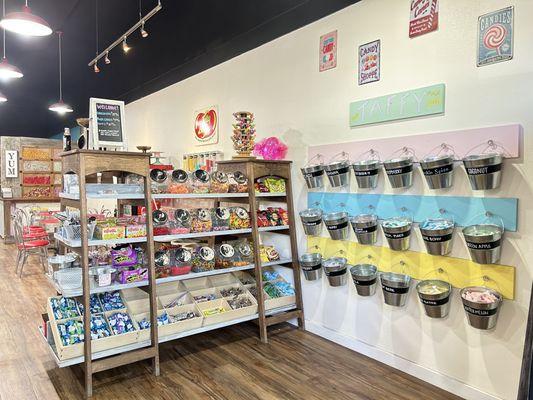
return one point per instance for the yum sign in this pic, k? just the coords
(409, 104)
(12, 164)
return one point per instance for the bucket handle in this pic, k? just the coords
(340, 156)
(445, 148)
(370, 155)
(485, 279)
(490, 144)
(488, 216)
(404, 151)
(402, 264)
(443, 214)
(318, 157)
(439, 271)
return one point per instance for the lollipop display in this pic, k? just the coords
(243, 134)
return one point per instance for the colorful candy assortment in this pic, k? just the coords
(231, 292)
(482, 297)
(436, 224)
(111, 301)
(239, 218)
(166, 319)
(240, 302)
(270, 275)
(64, 307)
(71, 332)
(95, 305)
(120, 322)
(272, 216)
(204, 297)
(99, 327)
(270, 184)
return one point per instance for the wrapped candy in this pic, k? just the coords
(240, 302)
(71, 332)
(120, 322)
(484, 297)
(204, 297)
(64, 307)
(95, 305)
(232, 291)
(284, 288)
(270, 275)
(99, 327)
(111, 301)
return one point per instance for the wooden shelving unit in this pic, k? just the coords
(88, 162)
(85, 163)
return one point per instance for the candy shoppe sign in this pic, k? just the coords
(206, 126)
(495, 37)
(424, 17)
(369, 62)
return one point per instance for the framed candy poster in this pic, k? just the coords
(369, 62)
(424, 17)
(495, 37)
(206, 126)
(328, 51)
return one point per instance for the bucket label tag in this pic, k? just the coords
(398, 235)
(337, 226)
(480, 313)
(399, 171)
(370, 172)
(310, 268)
(308, 175)
(439, 170)
(335, 273)
(337, 171)
(435, 302)
(312, 223)
(437, 239)
(489, 169)
(368, 229)
(364, 283)
(394, 289)
(483, 246)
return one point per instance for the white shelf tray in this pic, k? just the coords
(137, 196)
(96, 242)
(121, 196)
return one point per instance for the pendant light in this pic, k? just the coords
(7, 70)
(3, 98)
(25, 23)
(60, 107)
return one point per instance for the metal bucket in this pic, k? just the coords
(338, 173)
(484, 171)
(365, 227)
(312, 221)
(310, 263)
(335, 269)
(435, 296)
(437, 235)
(481, 315)
(314, 176)
(395, 288)
(400, 172)
(398, 232)
(484, 242)
(366, 173)
(438, 171)
(365, 278)
(337, 224)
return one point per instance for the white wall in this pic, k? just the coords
(281, 84)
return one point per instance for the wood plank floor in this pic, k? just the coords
(226, 364)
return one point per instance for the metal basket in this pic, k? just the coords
(68, 279)
(73, 232)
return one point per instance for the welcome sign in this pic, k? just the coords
(403, 105)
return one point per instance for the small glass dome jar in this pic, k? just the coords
(245, 253)
(239, 218)
(181, 223)
(219, 182)
(238, 182)
(220, 218)
(179, 182)
(201, 220)
(225, 256)
(158, 181)
(201, 181)
(203, 259)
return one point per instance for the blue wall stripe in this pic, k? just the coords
(464, 210)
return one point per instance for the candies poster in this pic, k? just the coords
(424, 17)
(328, 51)
(495, 37)
(369, 62)
(206, 126)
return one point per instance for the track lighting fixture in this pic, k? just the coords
(125, 46)
(106, 59)
(144, 33)
(96, 69)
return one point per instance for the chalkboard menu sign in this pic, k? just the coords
(107, 123)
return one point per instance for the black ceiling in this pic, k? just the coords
(185, 37)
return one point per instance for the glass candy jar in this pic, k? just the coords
(201, 181)
(219, 182)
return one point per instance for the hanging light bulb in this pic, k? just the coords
(106, 59)
(125, 46)
(3, 98)
(26, 23)
(7, 70)
(60, 107)
(144, 33)
(96, 69)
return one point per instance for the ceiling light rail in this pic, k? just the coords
(122, 38)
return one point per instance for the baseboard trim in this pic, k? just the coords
(447, 383)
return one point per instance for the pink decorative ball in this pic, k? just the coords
(271, 148)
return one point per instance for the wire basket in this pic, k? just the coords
(68, 279)
(73, 232)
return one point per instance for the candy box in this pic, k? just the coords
(111, 301)
(132, 274)
(59, 308)
(103, 232)
(242, 305)
(281, 300)
(174, 322)
(135, 231)
(215, 312)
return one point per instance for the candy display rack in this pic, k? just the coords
(86, 163)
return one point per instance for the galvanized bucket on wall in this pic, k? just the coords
(397, 230)
(438, 171)
(337, 224)
(365, 227)
(482, 306)
(366, 173)
(338, 173)
(311, 263)
(335, 269)
(312, 221)
(314, 176)
(365, 278)
(437, 234)
(395, 288)
(484, 242)
(400, 172)
(484, 170)
(434, 294)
